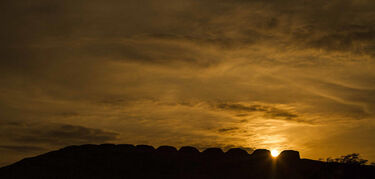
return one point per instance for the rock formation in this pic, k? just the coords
(144, 161)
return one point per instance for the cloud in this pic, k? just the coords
(229, 129)
(55, 134)
(22, 149)
(182, 30)
(269, 111)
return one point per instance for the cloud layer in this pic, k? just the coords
(245, 73)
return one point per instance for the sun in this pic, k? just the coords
(274, 153)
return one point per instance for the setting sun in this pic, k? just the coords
(274, 153)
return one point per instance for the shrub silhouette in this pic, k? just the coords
(350, 159)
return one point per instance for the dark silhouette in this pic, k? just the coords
(289, 155)
(143, 161)
(350, 159)
(188, 150)
(237, 154)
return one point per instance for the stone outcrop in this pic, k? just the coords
(144, 148)
(237, 153)
(166, 149)
(261, 153)
(213, 152)
(289, 155)
(188, 150)
(144, 161)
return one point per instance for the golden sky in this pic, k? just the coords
(280, 74)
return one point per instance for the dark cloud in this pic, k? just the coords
(274, 112)
(22, 149)
(229, 129)
(120, 30)
(66, 134)
(269, 111)
(240, 107)
(56, 134)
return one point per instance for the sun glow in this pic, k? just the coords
(274, 153)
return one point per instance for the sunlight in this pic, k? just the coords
(274, 153)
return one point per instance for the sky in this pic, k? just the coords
(274, 74)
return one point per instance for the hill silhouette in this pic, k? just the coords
(143, 161)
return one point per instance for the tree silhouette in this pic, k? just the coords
(350, 159)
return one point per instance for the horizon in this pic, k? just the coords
(273, 153)
(227, 73)
(145, 161)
